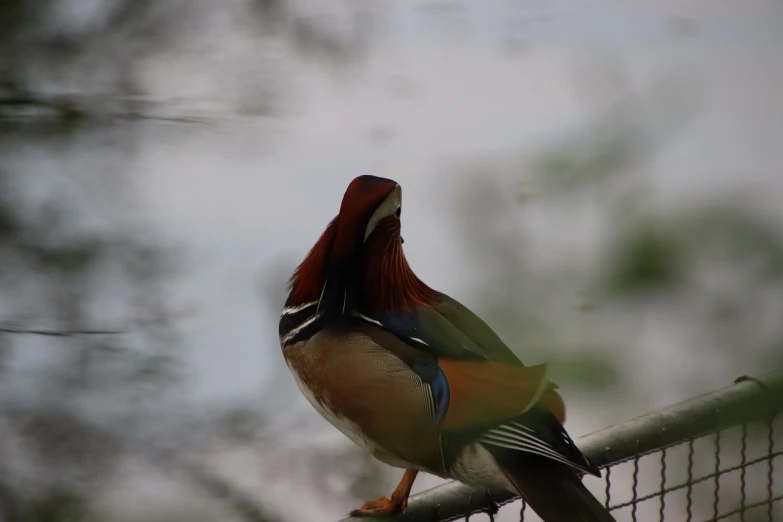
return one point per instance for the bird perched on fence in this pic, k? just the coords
(418, 380)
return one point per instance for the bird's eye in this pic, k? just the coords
(399, 212)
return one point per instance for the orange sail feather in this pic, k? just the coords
(485, 392)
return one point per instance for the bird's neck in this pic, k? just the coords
(389, 282)
(323, 290)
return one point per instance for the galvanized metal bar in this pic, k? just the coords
(747, 400)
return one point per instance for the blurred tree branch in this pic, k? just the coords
(56, 333)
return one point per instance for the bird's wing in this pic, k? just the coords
(537, 432)
(472, 326)
(477, 394)
(511, 410)
(424, 328)
(447, 328)
(476, 359)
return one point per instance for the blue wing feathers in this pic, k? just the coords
(399, 322)
(431, 373)
(440, 390)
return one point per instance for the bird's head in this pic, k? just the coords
(371, 206)
(359, 256)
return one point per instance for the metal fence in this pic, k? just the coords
(707, 459)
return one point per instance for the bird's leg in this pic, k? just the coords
(493, 507)
(389, 506)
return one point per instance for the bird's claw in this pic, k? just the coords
(380, 507)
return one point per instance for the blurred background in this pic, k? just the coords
(599, 180)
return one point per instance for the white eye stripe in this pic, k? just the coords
(388, 208)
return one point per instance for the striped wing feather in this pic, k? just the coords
(538, 432)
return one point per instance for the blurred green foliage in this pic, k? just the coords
(713, 260)
(585, 370)
(64, 451)
(60, 506)
(54, 271)
(91, 304)
(645, 260)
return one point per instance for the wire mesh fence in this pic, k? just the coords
(728, 475)
(718, 457)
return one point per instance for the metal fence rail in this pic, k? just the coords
(706, 459)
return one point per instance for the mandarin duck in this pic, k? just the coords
(417, 379)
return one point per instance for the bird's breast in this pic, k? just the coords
(326, 408)
(370, 395)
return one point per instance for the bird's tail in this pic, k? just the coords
(556, 493)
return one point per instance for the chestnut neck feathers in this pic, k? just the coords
(389, 283)
(307, 281)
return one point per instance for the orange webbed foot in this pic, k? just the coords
(381, 507)
(398, 502)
